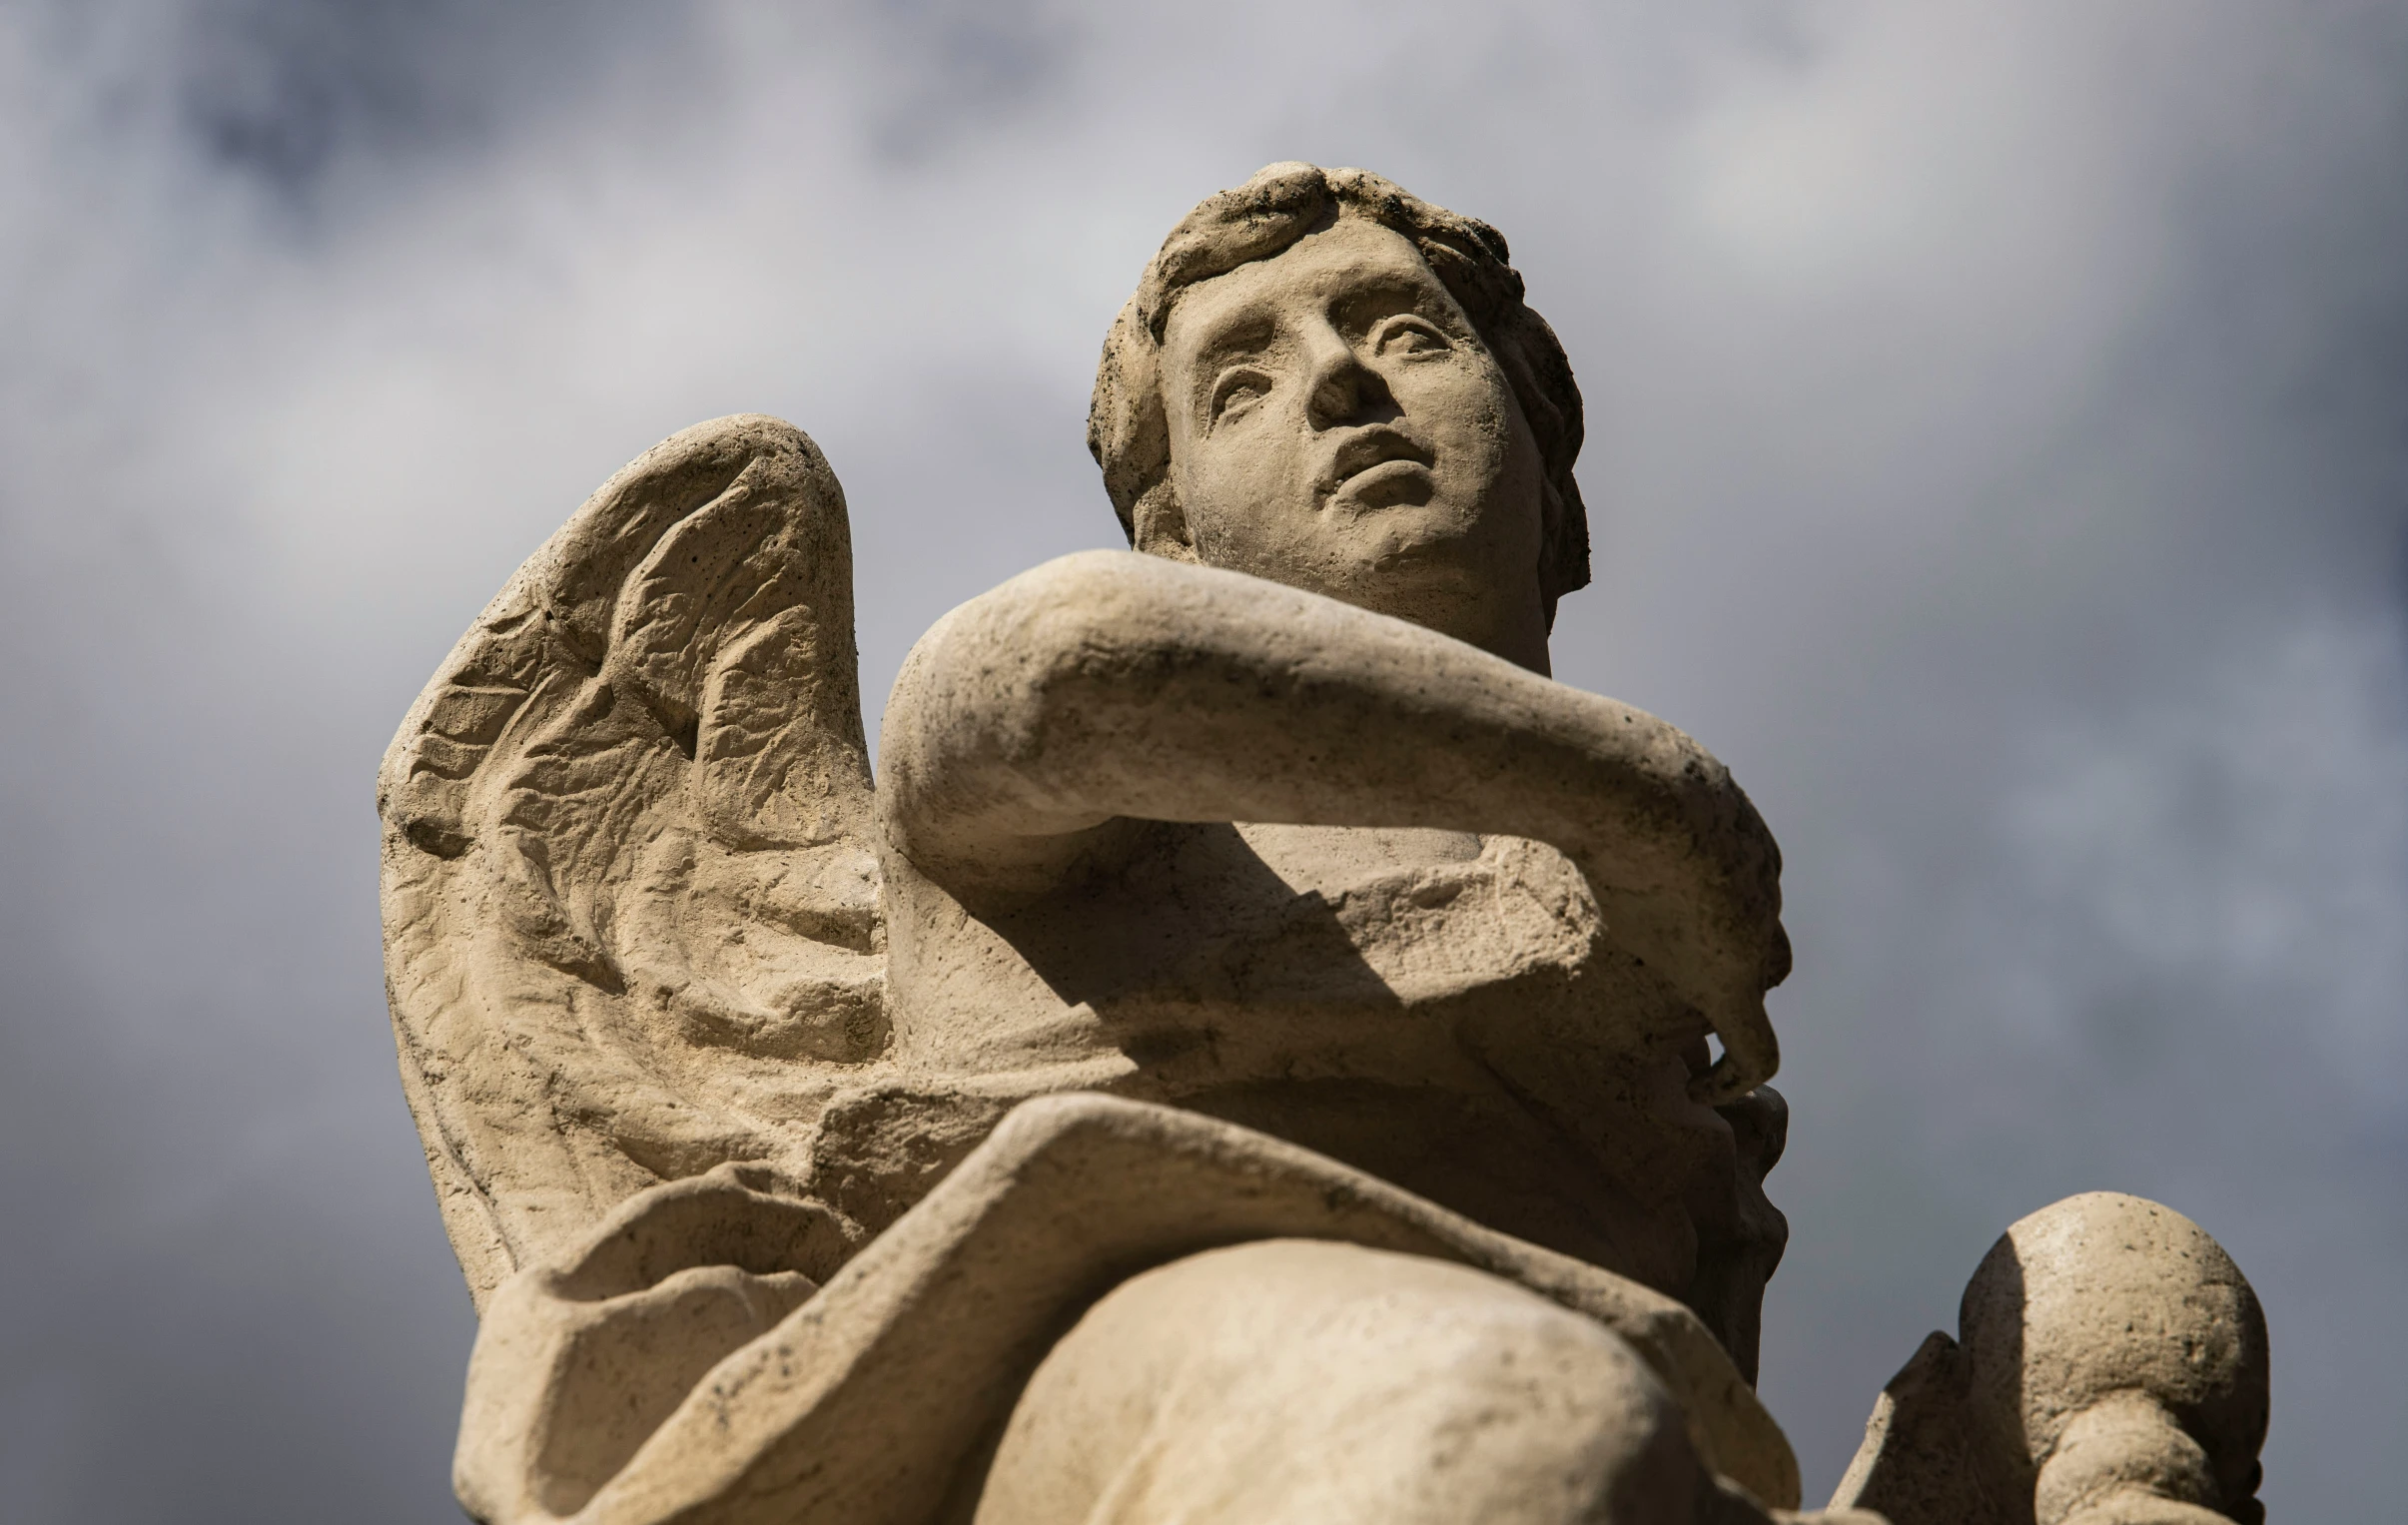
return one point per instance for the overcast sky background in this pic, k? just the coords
(1998, 454)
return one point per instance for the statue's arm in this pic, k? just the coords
(1108, 685)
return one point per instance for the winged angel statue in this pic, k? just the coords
(1250, 1056)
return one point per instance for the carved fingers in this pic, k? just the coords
(1716, 958)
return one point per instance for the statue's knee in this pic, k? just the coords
(1300, 1380)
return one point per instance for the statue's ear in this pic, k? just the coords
(1158, 525)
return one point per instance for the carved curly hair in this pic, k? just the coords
(1129, 434)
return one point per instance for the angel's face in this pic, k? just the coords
(1337, 425)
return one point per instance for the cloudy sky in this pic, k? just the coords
(1999, 450)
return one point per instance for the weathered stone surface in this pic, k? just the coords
(2109, 1369)
(1247, 1057)
(871, 1401)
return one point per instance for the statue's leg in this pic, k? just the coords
(874, 1401)
(1300, 1381)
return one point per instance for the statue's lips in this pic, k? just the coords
(1376, 458)
(1379, 486)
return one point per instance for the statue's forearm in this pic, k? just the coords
(1109, 685)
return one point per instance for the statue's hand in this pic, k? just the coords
(1689, 878)
(576, 1364)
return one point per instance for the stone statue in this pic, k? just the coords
(1250, 1054)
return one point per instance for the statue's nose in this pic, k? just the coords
(1342, 386)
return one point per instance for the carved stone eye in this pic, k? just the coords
(1237, 392)
(1407, 335)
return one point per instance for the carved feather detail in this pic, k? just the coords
(628, 860)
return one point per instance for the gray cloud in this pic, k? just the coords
(1998, 454)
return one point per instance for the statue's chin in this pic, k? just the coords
(1399, 546)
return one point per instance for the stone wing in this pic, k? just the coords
(631, 914)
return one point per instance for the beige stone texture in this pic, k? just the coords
(869, 1399)
(1247, 1056)
(2109, 1369)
